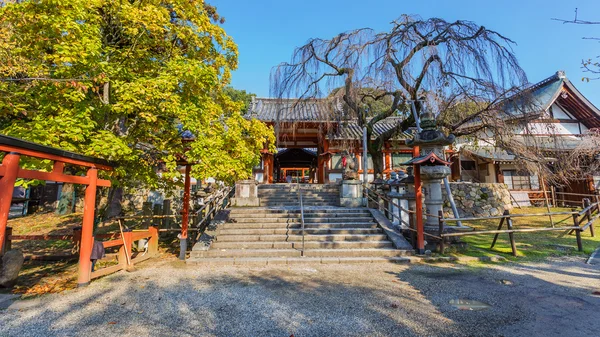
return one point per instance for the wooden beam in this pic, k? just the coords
(58, 177)
(36, 154)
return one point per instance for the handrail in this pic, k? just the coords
(395, 215)
(495, 217)
(217, 200)
(301, 217)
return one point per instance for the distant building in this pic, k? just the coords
(562, 117)
(311, 136)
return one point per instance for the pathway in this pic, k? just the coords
(168, 299)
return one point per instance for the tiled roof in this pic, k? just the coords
(351, 129)
(536, 98)
(317, 110)
(292, 110)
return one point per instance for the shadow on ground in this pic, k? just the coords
(390, 300)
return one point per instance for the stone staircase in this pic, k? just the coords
(272, 235)
(287, 195)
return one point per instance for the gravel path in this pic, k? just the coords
(169, 299)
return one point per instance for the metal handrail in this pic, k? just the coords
(301, 217)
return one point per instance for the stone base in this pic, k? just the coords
(351, 194)
(352, 202)
(245, 202)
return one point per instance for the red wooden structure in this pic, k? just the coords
(429, 159)
(10, 171)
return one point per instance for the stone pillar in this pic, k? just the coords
(246, 193)
(432, 178)
(395, 210)
(351, 193)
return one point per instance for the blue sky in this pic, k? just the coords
(268, 31)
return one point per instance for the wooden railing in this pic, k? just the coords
(381, 200)
(124, 239)
(582, 220)
(125, 258)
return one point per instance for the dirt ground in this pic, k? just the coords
(167, 298)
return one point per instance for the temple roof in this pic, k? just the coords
(351, 130)
(318, 110)
(293, 110)
(554, 89)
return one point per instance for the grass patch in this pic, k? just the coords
(531, 246)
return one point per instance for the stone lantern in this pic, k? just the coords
(396, 188)
(434, 168)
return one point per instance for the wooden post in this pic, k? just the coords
(579, 243)
(441, 230)
(413, 234)
(156, 210)
(511, 235)
(146, 212)
(587, 203)
(10, 164)
(185, 214)
(87, 229)
(7, 241)
(499, 228)
(166, 223)
(153, 241)
(546, 200)
(127, 244)
(577, 232)
(553, 192)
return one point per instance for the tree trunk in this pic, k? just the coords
(378, 164)
(375, 150)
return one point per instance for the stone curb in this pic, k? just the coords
(419, 259)
(397, 239)
(595, 257)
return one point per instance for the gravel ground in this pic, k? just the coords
(545, 299)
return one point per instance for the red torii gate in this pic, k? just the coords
(14, 148)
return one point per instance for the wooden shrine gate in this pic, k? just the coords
(10, 171)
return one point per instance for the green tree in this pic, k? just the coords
(240, 96)
(121, 80)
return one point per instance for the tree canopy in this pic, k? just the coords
(122, 80)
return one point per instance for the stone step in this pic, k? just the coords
(310, 204)
(288, 198)
(307, 245)
(242, 261)
(295, 195)
(263, 210)
(306, 215)
(245, 225)
(297, 231)
(304, 187)
(304, 192)
(306, 220)
(316, 237)
(367, 252)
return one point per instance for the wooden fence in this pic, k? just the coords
(582, 220)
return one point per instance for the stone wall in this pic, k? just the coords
(478, 199)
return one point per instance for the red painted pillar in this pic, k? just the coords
(153, 241)
(185, 214)
(87, 229)
(419, 205)
(7, 185)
